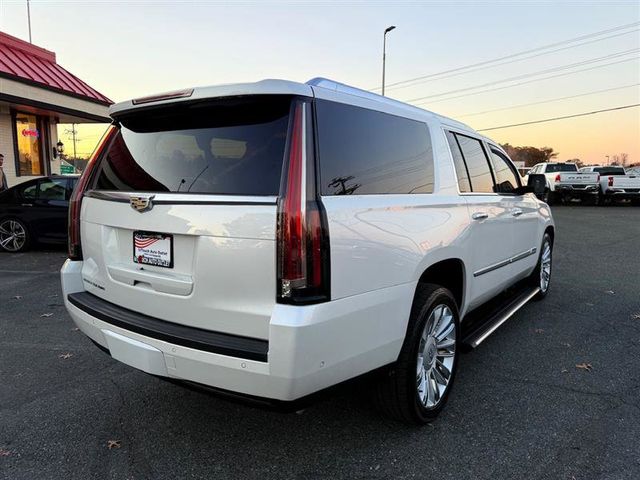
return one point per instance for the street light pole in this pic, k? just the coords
(29, 20)
(384, 53)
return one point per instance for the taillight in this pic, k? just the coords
(557, 178)
(75, 203)
(303, 245)
(611, 181)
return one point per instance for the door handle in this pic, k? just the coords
(517, 212)
(480, 216)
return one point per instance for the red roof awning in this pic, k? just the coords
(22, 61)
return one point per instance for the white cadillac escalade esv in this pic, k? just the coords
(273, 239)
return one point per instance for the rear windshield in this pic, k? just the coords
(230, 147)
(561, 167)
(609, 170)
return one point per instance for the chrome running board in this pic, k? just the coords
(493, 321)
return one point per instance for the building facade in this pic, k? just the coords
(37, 94)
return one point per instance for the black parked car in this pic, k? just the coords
(35, 212)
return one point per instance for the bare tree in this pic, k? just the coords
(624, 158)
(577, 161)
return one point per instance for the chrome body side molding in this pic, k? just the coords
(506, 262)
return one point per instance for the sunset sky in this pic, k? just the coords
(133, 48)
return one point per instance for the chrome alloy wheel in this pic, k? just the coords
(545, 266)
(436, 354)
(12, 235)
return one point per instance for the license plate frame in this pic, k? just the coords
(144, 254)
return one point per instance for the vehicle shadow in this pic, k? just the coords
(344, 428)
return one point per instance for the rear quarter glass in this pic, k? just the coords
(365, 152)
(227, 147)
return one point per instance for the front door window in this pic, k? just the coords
(29, 139)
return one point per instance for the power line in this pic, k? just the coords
(548, 101)
(471, 70)
(529, 81)
(559, 118)
(531, 74)
(517, 54)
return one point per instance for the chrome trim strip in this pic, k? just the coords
(182, 198)
(506, 262)
(493, 267)
(508, 314)
(524, 254)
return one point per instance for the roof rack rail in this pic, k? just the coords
(359, 92)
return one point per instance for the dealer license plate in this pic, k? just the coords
(153, 249)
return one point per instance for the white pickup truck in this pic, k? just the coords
(565, 182)
(616, 183)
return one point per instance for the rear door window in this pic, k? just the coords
(369, 152)
(461, 169)
(228, 147)
(53, 189)
(477, 164)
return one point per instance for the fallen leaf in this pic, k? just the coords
(111, 444)
(46, 315)
(636, 316)
(18, 297)
(584, 366)
(4, 453)
(54, 295)
(539, 330)
(565, 344)
(610, 292)
(65, 355)
(75, 329)
(564, 370)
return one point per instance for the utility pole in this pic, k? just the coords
(72, 135)
(29, 20)
(384, 53)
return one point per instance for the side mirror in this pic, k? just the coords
(538, 184)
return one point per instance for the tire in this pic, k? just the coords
(430, 351)
(14, 235)
(536, 279)
(549, 197)
(591, 200)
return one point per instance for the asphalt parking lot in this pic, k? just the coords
(521, 408)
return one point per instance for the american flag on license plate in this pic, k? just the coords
(144, 242)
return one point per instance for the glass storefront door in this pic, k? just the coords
(29, 139)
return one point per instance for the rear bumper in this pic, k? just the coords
(622, 193)
(577, 191)
(197, 338)
(310, 348)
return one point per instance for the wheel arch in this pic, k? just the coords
(448, 273)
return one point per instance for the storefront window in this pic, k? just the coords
(29, 139)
